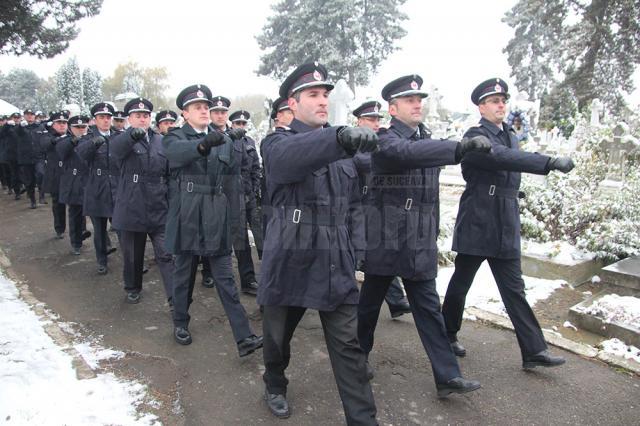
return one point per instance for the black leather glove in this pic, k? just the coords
(236, 134)
(97, 141)
(479, 143)
(563, 164)
(138, 133)
(354, 139)
(212, 139)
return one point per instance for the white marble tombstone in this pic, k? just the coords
(339, 100)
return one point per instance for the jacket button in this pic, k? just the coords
(332, 267)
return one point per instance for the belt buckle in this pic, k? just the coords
(59, 163)
(135, 178)
(296, 215)
(189, 186)
(365, 189)
(99, 172)
(492, 190)
(75, 172)
(408, 204)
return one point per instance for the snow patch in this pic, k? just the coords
(619, 348)
(612, 308)
(559, 251)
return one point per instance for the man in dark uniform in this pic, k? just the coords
(11, 152)
(204, 179)
(219, 114)
(53, 169)
(41, 157)
(140, 206)
(314, 241)
(488, 224)
(281, 113)
(72, 181)
(5, 174)
(101, 184)
(165, 120)
(119, 120)
(402, 227)
(251, 178)
(368, 115)
(28, 154)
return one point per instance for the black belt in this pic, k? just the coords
(200, 189)
(309, 217)
(137, 178)
(493, 191)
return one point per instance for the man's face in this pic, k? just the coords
(30, 117)
(197, 115)
(312, 108)
(118, 123)
(219, 118)
(103, 122)
(60, 127)
(79, 131)
(3, 122)
(140, 120)
(493, 108)
(239, 125)
(284, 118)
(371, 122)
(407, 109)
(165, 125)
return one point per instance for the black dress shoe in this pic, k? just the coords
(33, 205)
(400, 309)
(250, 288)
(249, 345)
(17, 197)
(208, 282)
(182, 335)
(370, 371)
(111, 250)
(542, 359)
(102, 269)
(145, 268)
(85, 235)
(59, 235)
(277, 404)
(458, 349)
(133, 297)
(457, 385)
(75, 251)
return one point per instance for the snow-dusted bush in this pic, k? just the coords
(575, 208)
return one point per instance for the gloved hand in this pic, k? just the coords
(236, 134)
(563, 164)
(212, 139)
(11, 123)
(48, 125)
(354, 139)
(479, 143)
(97, 141)
(138, 134)
(24, 123)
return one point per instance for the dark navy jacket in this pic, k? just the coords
(251, 175)
(488, 222)
(200, 193)
(315, 229)
(74, 172)
(403, 219)
(28, 149)
(102, 180)
(11, 142)
(141, 202)
(54, 165)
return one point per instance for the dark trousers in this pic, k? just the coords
(59, 212)
(222, 272)
(77, 224)
(14, 172)
(242, 246)
(395, 295)
(101, 240)
(347, 358)
(39, 174)
(206, 267)
(133, 245)
(425, 307)
(508, 276)
(28, 178)
(5, 175)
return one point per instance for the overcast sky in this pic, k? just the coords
(453, 45)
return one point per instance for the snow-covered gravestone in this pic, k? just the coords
(596, 109)
(618, 152)
(339, 100)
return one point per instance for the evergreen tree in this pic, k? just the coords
(590, 48)
(350, 37)
(92, 87)
(150, 83)
(69, 83)
(41, 28)
(20, 88)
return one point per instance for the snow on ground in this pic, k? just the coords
(618, 309)
(618, 348)
(38, 384)
(484, 292)
(559, 251)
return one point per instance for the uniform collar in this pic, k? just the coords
(492, 127)
(299, 127)
(406, 131)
